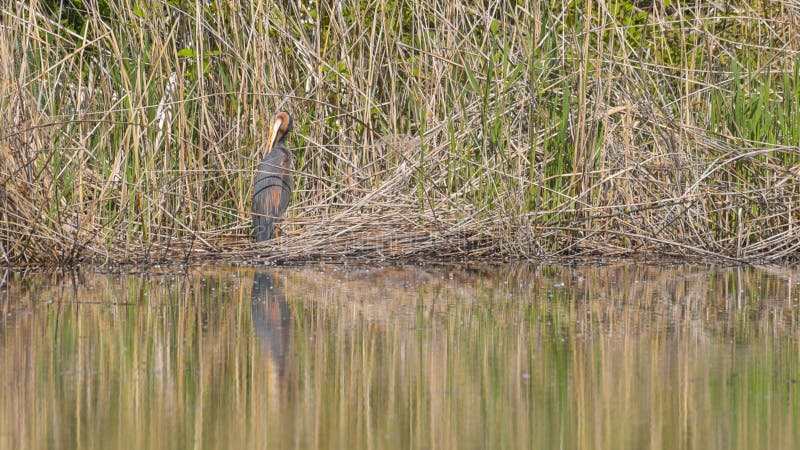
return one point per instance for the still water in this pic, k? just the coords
(615, 357)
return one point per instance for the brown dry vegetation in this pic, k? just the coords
(130, 131)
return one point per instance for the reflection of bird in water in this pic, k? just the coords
(272, 322)
(273, 183)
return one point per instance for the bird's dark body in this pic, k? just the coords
(272, 190)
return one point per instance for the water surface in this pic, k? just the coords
(617, 357)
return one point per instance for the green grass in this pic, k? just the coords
(131, 130)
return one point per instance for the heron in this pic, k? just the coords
(273, 183)
(272, 322)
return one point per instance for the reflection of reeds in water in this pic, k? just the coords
(612, 357)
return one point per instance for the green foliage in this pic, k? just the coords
(73, 14)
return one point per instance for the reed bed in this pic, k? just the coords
(450, 130)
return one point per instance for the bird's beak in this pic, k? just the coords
(273, 134)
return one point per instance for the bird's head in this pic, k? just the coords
(280, 127)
